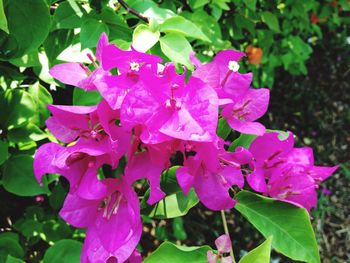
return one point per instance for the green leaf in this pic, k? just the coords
(91, 30)
(223, 129)
(42, 98)
(244, 140)
(43, 70)
(9, 245)
(198, 3)
(57, 196)
(175, 203)
(3, 19)
(19, 108)
(260, 254)
(28, 23)
(85, 98)
(298, 47)
(222, 4)
(345, 5)
(67, 15)
(289, 225)
(64, 251)
(3, 152)
(18, 177)
(181, 25)
(241, 23)
(73, 53)
(150, 9)
(29, 132)
(56, 42)
(144, 38)
(11, 259)
(28, 227)
(251, 4)
(177, 49)
(30, 59)
(270, 20)
(161, 233)
(171, 253)
(178, 229)
(55, 230)
(11, 73)
(209, 25)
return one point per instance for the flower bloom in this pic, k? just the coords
(284, 172)
(254, 54)
(148, 114)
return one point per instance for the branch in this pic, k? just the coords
(223, 217)
(132, 11)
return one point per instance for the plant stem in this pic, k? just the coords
(132, 11)
(224, 222)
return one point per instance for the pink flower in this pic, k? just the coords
(241, 114)
(284, 172)
(166, 108)
(130, 65)
(117, 209)
(127, 61)
(241, 105)
(79, 75)
(212, 170)
(223, 244)
(222, 74)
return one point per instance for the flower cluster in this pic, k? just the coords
(148, 114)
(284, 172)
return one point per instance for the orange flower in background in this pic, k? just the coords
(314, 19)
(334, 3)
(254, 54)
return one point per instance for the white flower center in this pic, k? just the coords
(233, 65)
(134, 66)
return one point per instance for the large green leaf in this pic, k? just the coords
(175, 203)
(91, 30)
(260, 254)
(64, 251)
(3, 19)
(67, 15)
(19, 109)
(19, 178)
(28, 23)
(181, 25)
(270, 20)
(144, 38)
(171, 253)
(177, 48)
(289, 225)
